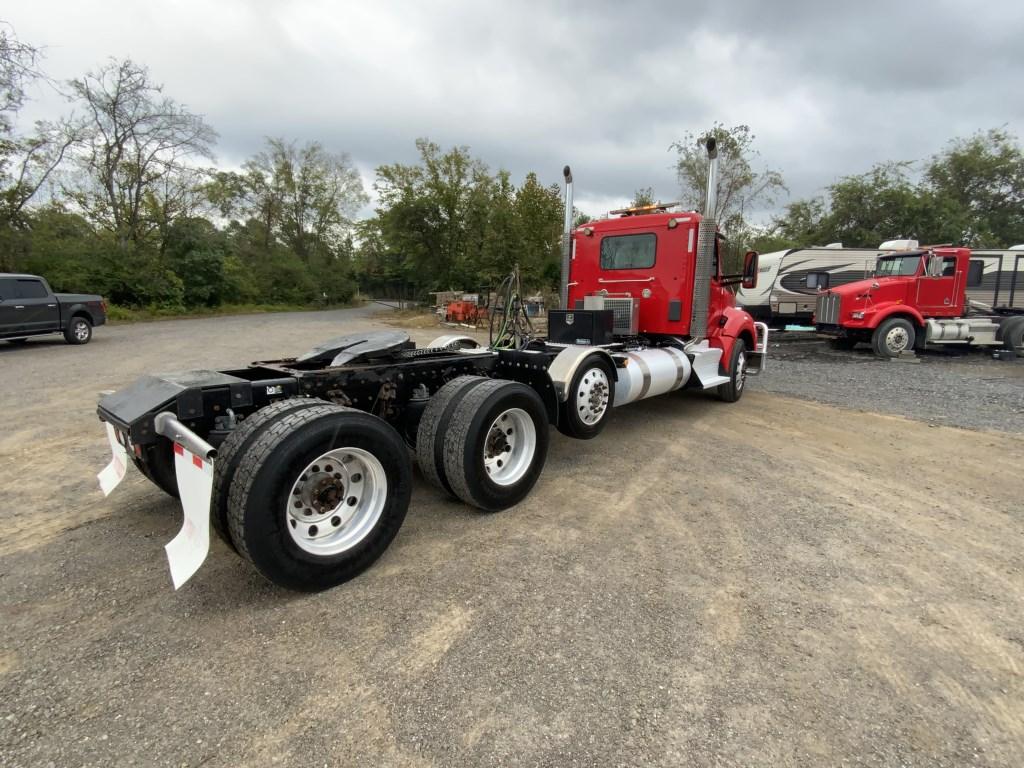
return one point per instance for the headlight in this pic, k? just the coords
(857, 315)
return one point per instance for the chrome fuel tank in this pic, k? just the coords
(650, 372)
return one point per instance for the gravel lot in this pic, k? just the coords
(963, 388)
(775, 582)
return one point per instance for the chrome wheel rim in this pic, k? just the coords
(592, 396)
(81, 331)
(741, 370)
(509, 447)
(336, 501)
(896, 339)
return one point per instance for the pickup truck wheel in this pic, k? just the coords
(496, 445)
(234, 447)
(589, 405)
(732, 391)
(892, 337)
(79, 330)
(434, 425)
(319, 495)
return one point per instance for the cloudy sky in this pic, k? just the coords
(828, 88)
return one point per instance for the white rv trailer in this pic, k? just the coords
(782, 297)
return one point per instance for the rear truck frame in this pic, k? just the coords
(303, 466)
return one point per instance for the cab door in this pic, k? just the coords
(937, 287)
(37, 305)
(10, 315)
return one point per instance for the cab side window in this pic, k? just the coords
(31, 289)
(949, 267)
(628, 251)
(7, 289)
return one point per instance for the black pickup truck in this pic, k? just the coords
(29, 308)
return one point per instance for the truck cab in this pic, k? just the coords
(914, 298)
(643, 266)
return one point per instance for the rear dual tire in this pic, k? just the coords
(484, 441)
(318, 495)
(234, 447)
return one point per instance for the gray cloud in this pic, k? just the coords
(829, 89)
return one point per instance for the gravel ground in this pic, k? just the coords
(775, 582)
(957, 387)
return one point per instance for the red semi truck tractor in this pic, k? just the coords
(916, 298)
(303, 465)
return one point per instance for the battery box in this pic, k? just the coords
(591, 327)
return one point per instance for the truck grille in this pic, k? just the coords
(827, 310)
(626, 313)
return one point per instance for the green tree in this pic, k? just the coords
(981, 181)
(741, 187)
(539, 221)
(642, 198)
(134, 145)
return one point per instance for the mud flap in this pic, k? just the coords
(187, 551)
(111, 475)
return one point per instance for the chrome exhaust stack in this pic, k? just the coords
(566, 238)
(705, 258)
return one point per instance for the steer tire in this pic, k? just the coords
(732, 390)
(469, 433)
(78, 330)
(434, 425)
(879, 339)
(157, 466)
(291, 450)
(234, 447)
(574, 413)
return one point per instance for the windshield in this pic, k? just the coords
(893, 266)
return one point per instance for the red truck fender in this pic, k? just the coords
(876, 318)
(737, 325)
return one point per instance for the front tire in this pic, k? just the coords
(732, 391)
(319, 495)
(79, 330)
(893, 337)
(496, 445)
(588, 406)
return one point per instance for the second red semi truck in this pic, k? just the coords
(916, 298)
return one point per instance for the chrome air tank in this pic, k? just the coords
(650, 372)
